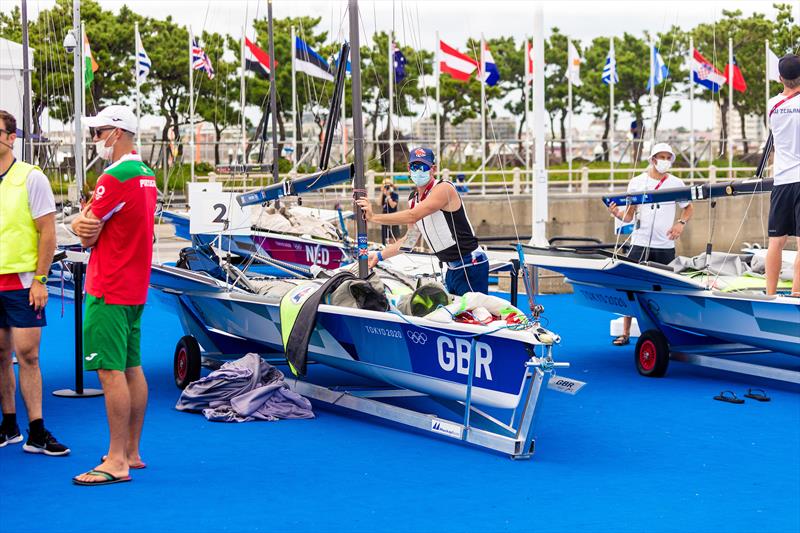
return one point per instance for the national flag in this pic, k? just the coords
(738, 80)
(200, 60)
(492, 75)
(704, 73)
(256, 59)
(142, 60)
(90, 66)
(660, 70)
(529, 62)
(458, 65)
(399, 64)
(772, 66)
(610, 69)
(574, 61)
(308, 61)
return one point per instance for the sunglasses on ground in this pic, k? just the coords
(419, 166)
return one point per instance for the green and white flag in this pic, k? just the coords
(89, 64)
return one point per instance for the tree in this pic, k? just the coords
(594, 91)
(673, 46)
(633, 71)
(512, 76)
(556, 89)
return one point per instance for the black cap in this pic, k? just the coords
(789, 66)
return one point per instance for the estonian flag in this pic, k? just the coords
(308, 61)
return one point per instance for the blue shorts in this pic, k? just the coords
(474, 278)
(17, 312)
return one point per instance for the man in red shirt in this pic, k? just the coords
(118, 224)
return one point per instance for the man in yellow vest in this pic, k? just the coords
(27, 244)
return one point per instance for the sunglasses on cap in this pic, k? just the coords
(417, 166)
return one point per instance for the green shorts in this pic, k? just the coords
(112, 335)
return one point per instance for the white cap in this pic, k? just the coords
(662, 147)
(118, 116)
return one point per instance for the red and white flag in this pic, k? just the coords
(453, 62)
(528, 62)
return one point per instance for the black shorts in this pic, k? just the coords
(784, 210)
(17, 312)
(641, 254)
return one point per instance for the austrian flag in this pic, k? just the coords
(453, 62)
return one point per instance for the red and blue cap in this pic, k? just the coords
(422, 155)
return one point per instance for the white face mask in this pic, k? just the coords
(105, 152)
(420, 177)
(662, 165)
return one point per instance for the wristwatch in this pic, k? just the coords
(41, 279)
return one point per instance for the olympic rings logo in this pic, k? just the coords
(417, 337)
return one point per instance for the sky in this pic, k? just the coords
(417, 22)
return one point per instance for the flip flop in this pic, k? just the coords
(621, 340)
(728, 396)
(133, 466)
(109, 479)
(757, 394)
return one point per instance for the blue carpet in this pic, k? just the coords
(625, 454)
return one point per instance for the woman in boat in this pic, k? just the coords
(437, 212)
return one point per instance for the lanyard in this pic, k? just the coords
(660, 183)
(783, 102)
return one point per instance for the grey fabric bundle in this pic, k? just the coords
(244, 390)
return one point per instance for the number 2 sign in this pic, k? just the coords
(214, 211)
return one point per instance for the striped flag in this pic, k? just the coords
(309, 61)
(610, 69)
(660, 70)
(458, 65)
(142, 60)
(90, 66)
(256, 59)
(528, 62)
(200, 60)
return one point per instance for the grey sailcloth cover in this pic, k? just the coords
(244, 390)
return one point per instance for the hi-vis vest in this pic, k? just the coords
(19, 239)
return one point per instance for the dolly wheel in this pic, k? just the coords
(186, 365)
(652, 354)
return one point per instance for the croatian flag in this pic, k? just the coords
(706, 74)
(661, 72)
(458, 65)
(491, 75)
(200, 60)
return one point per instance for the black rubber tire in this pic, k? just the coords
(187, 361)
(652, 354)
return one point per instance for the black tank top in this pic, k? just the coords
(448, 233)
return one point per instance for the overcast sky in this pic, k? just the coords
(415, 22)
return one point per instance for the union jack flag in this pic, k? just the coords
(200, 60)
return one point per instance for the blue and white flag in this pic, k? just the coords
(660, 70)
(610, 68)
(308, 61)
(142, 60)
(492, 75)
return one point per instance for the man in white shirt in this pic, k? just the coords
(655, 230)
(784, 206)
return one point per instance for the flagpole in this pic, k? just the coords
(652, 94)
(526, 102)
(483, 108)
(611, 83)
(438, 105)
(569, 117)
(138, 88)
(391, 99)
(730, 107)
(539, 203)
(766, 87)
(79, 96)
(191, 107)
(83, 84)
(691, 105)
(242, 101)
(273, 100)
(294, 102)
(530, 112)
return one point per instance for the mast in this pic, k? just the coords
(138, 86)
(730, 107)
(438, 103)
(611, 118)
(27, 134)
(191, 107)
(691, 104)
(77, 74)
(569, 117)
(652, 94)
(295, 122)
(359, 190)
(242, 99)
(273, 104)
(539, 203)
